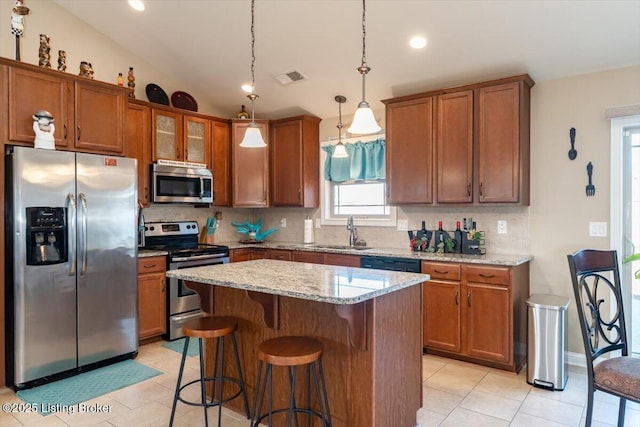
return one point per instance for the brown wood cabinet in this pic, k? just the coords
(279, 254)
(295, 161)
(152, 299)
(409, 151)
(503, 143)
(221, 162)
(310, 257)
(89, 115)
(481, 149)
(476, 313)
(181, 137)
(138, 146)
(454, 148)
(342, 259)
(250, 167)
(247, 254)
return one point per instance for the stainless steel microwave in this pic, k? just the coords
(174, 184)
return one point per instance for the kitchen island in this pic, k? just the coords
(369, 322)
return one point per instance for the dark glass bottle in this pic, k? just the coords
(458, 238)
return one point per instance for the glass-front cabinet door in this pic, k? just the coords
(167, 135)
(197, 140)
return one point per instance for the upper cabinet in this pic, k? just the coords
(454, 148)
(295, 162)
(503, 143)
(221, 162)
(249, 167)
(410, 151)
(138, 146)
(89, 115)
(474, 144)
(181, 137)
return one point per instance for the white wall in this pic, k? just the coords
(83, 43)
(560, 211)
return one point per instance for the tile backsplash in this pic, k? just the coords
(516, 241)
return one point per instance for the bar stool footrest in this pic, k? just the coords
(211, 379)
(294, 411)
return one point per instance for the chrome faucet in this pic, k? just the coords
(353, 235)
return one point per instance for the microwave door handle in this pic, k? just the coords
(83, 200)
(201, 187)
(71, 232)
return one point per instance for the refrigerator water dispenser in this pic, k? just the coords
(46, 236)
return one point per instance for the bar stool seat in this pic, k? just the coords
(291, 352)
(211, 327)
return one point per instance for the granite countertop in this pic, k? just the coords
(317, 282)
(146, 253)
(490, 259)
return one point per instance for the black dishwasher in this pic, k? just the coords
(390, 263)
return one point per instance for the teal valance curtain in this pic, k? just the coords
(366, 161)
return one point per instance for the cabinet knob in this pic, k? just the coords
(65, 131)
(487, 276)
(456, 299)
(481, 189)
(78, 133)
(164, 282)
(468, 299)
(441, 271)
(469, 190)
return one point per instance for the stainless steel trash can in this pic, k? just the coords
(546, 354)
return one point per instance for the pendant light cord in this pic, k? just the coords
(253, 43)
(364, 35)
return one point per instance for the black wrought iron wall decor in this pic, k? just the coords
(572, 137)
(591, 189)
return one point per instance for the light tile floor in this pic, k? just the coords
(455, 394)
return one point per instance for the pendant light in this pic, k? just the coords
(363, 120)
(339, 151)
(252, 136)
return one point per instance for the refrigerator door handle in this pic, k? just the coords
(71, 232)
(83, 201)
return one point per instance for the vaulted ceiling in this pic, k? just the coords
(207, 43)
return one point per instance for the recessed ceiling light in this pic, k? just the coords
(137, 5)
(247, 88)
(418, 42)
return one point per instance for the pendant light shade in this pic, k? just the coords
(253, 136)
(363, 121)
(339, 152)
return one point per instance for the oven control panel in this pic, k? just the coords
(178, 228)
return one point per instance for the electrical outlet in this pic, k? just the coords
(502, 226)
(318, 222)
(403, 224)
(283, 222)
(597, 229)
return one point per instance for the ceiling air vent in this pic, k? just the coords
(290, 77)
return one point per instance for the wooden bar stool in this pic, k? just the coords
(211, 327)
(291, 352)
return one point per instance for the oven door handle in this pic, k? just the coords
(220, 257)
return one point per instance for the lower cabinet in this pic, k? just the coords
(152, 297)
(476, 313)
(248, 254)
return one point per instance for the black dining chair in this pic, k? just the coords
(596, 286)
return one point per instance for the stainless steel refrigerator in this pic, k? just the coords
(71, 265)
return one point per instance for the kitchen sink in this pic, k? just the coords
(359, 248)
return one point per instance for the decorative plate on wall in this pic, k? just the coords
(184, 100)
(156, 94)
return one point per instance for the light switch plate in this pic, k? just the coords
(502, 226)
(597, 229)
(283, 222)
(318, 222)
(403, 224)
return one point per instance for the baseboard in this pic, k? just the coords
(576, 359)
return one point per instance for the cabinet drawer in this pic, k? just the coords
(441, 270)
(482, 274)
(281, 255)
(151, 265)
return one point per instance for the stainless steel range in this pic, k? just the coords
(180, 239)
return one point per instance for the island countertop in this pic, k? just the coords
(316, 282)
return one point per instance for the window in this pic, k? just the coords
(356, 186)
